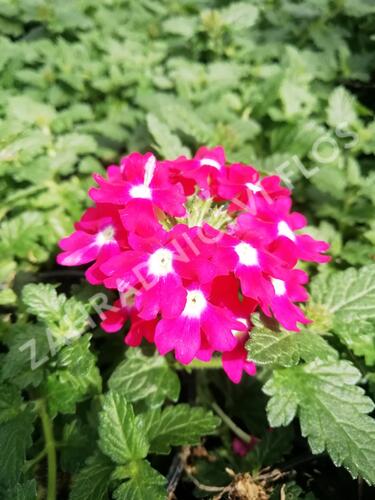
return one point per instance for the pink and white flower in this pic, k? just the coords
(192, 289)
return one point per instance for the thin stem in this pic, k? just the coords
(50, 449)
(36, 459)
(244, 436)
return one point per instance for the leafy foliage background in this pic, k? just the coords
(284, 84)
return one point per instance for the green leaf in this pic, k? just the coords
(168, 144)
(92, 481)
(178, 425)
(142, 377)
(341, 111)
(27, 110)
(359, 336)
(332, 412)
(22, 491)
(66, 318)
(79, 441)
(10, 402)
(144, 483)
(43, 301)
(15, 439)
(348, 294)
(121, 434)
(286, 348)
(29, 352)
(240, 15)
(76, 377)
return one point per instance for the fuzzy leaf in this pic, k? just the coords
(121, 434)
(10, 402)
(348, 294)
(286, 348)
(144, 483)
(91, 483)
(142, 377)
(178, 425)
(332, 412)
(341, 112)
(15, 439)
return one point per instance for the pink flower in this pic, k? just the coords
(242, 184)
(192, 287)
(112, 320)
(142, 187)
(276, 225)
(199, 320)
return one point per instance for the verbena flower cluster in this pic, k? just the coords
(193, 247)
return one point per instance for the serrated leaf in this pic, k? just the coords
(43, 301)
(121, 434)
(75, 378)
(15, 439)
(286, 348)
(66, 318)
(144, 483)
(29, 351)
(348, 294)
(91, 483)
(240, 15)
(341, 112)
(359, 336)
(10, 402)
(168, 144)
(178, 425)
(332, 412)
(22, 491)
(142, 377)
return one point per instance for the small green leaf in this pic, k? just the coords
(286, 348)
(91, 483)
(145, 483)
(43, 301)
(178, 425)
(121, 434)
(76, 377)
(332, 412)
(142, 377)
(359, 336)
(29, 352)
(341, 111)
(15, 439)
(168, 144)
(22, 491)
(348, 294)
(10, 402)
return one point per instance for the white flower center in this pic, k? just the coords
(278, 286)
(140, 191)
(253, 187)
(105, 236)
(210, 163)
(247, 254)
(284, 230)
(195, 304)
(160, 262)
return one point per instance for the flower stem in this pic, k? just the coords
(50, 449)
(231, 425)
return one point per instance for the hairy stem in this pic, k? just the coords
(50, 449)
